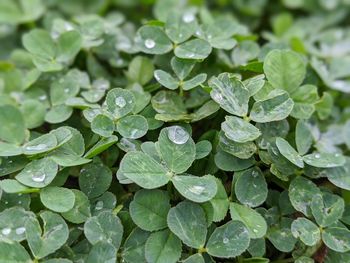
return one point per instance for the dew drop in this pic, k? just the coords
(66, 90)
(225, 240)
(337, 155)
(317, 156)
(20, 230)
(188, 17)
(42, 97)
(6, 231)
(120, 102)
(255, 230)
(149, 43)
(99, 205)
(38, 177)
(178, 135)
(197, 189)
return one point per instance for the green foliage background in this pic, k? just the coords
(174, 131)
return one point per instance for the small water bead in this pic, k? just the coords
(197, 189)
(188, 17)
(20, 230)
(99, 205)
(38, 147)
(255, 230)
(149, 43)
(317, 156)
(337, 155)
(217, 97)
(38, 177)
(120, 102)
(178, 135)
(6, 231)
(225, 240)
(68, 26)
(42, 97)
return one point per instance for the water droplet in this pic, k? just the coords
(188, 17)
(20, 230)
(337, 155)
(6, 231)
(178, 135)
(38, 177)
(66, 90)
(255, 174)
(255, 230)
(99, 205)
(217, 97)
(317, 156)
(225, 240)
(191, 55)
(42, 97)
(38, 147)
(197, 189)
(149, 43)
(120, 102)
(68, 26)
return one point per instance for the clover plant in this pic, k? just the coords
(166, 131)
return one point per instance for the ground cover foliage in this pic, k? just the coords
(174, 131)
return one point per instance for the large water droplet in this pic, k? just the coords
(149, 43)
(6, 231)
(178, 135)
(197, 189)
(188, 17)
(120, 102)
(38, 147)
(38, 177)
(99, 205)
(20, 230)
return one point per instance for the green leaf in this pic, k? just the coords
(57, 199)
(289, 152)
(38, 173)
(134, 246)
(219, 202)
(251, 187)
(303, 137)
(153, 40)
(306, 231)
(51, 238)
(281, 238)
(188, 222)
(275, 107)
(182, 67)
(230, 94)
(102, 125)
(327, 209)
(102, 251)
(165, 79)
(240, 150)
(44, 143)
(105, 227)
(133, 126)
(12, 223)
(284, 69)
(68, 46)
(193, 49)
(7, 149)
(203, 149)
(162, 246)
(179, 28)
(168, 102)
(176, 148)
(194, 188)
(149, 209)
(140, 70)
(337, 239)
(101, 146)
(94, 179)
(12, 128)
(39, 43)
(195, 258)
(227, 162)
(81, 209)
(58, 114)
(194, 82)
(324, 160)
(119, 102)
(254, 222)
(239, 130)
(144, 170)
(229, 240)
(301, 192)
(13, 252)
(339, 175)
